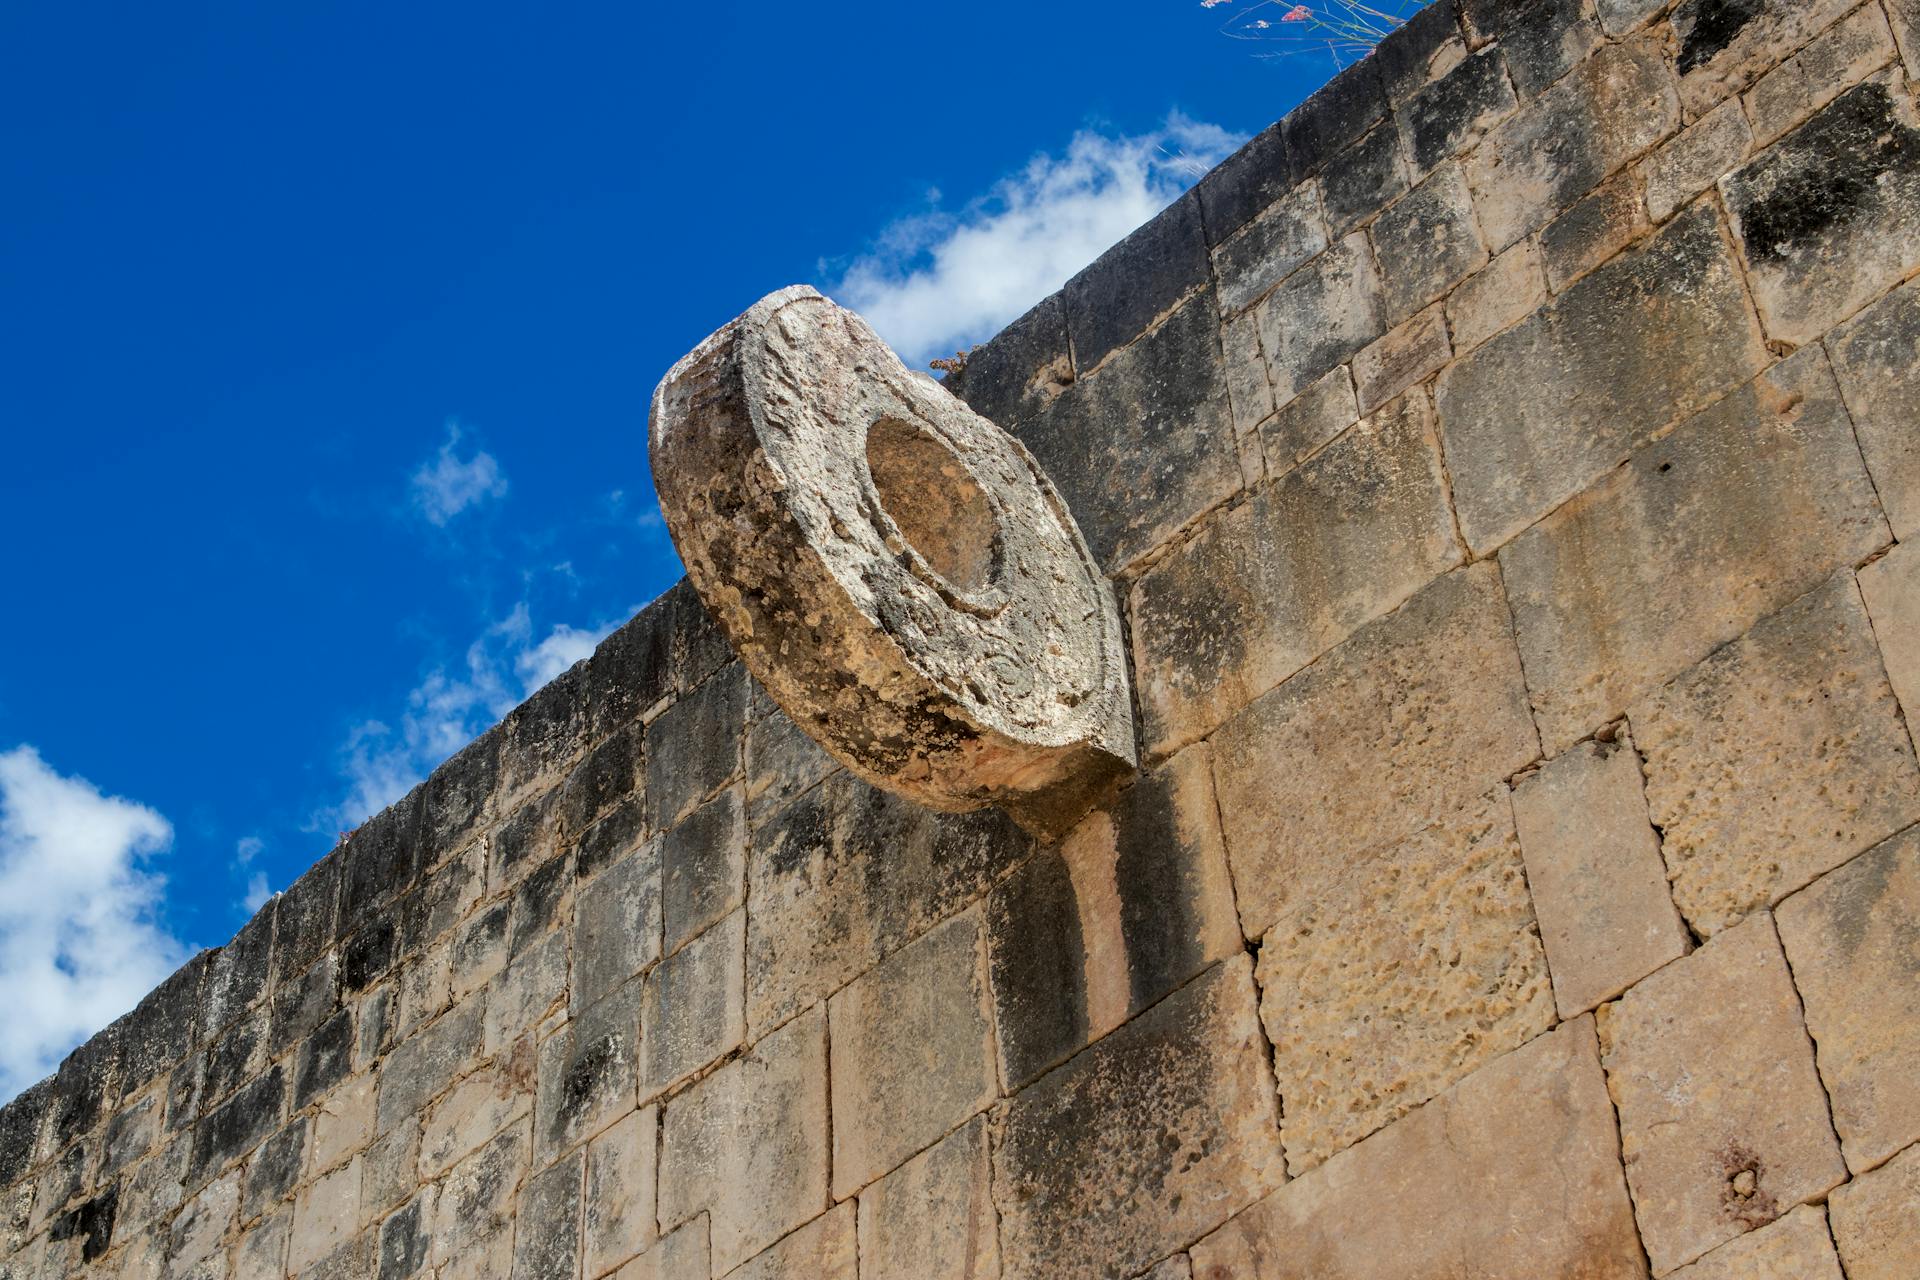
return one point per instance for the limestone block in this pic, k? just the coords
(1248, 391)
(1401, 358)
(1134, 902)
(1456, 111)
(390, 1170)
(847, 873)
(1230, 196)
(1392, 974)
(1542, 41)
(608, 775)
(1510, 288)
(1829, 216)
(239, 1124)
(1267, 250)
(588, 1072)
(1411, 718)
(782, 761)
(546, 1228)
(473, 1205)
(404, 1245)
(425, 991)
(482, 1104)
(694, 1010)
(326, 1214)
(1850, 939)
(260, 1251)
(1775, 759)
(704, 866)
(616, 924)
(1877, 359)
(1013, 376)
(1598, 226)
(914, 595)
(1700, 156)
(1722, 48)
(324, 1059)
(1593, 866)
(343, 1124)
(22, 1126)
(1370, 175)
(912, 1052)
(426, 1063)
(1622, 16)
(201, 1225)
(619, 1219)
(1612, 107)
(1876, 1220)
(1309, 420)
(130, 1133)
(1844, 55)
(613, 837)
(524, 839)
(1743, 508)
(680, 1255)
(1135, 283)
(1265, 588)
(1412, 55)
(694, 746)
(932, 1218)
(1178, 1267)
(1335, 116)
(1516, 1169)
(1146, 1140)
(303, 919)
(532, 983)
(274, 1170)
(1538, 413)
(1430, 241)
(1723, 1122)
(1320, 315)
(824, 1249)
(1891, 588)
(300, 1006)
(757, 1191)
(480, 949)
(543, 900)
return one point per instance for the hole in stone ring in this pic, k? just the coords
(938, 506)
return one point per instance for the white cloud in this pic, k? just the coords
(80, 943)
(445, 485)
(257, 893)
(942, 280)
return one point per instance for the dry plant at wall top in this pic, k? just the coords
(1346, 30)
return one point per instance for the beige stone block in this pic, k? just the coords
(1850, 938)
(1396, 972)
(1248, 392)
(588, 1074)
(1178, 1267)
(531, 985)
(1414, 716)
(1842, 56)
(1877, 358)
(326, 1214)
(1427, 241)
(1742, 509)
(1593, 865)
(912, 1052)
(1507, 290)
(1309, 420)
(476, 1108)
(1148, 1139)
(1267, 250)
(344, 1123)
(1708, 150)
(390, 1169)
(1402, 357)
(1263, 589)
(824, 1249)
(753, 1191)
(1515, 1171)
(1721, 52)
(620, 1206)
(1723, 1122)
(1891, 588)
(425, 990)
(473, 1206)
(1795, 1247)
(201, 1225)
(1775, 759)
(681, 1254)
(1594, 229)
(932, 1218)
(694, 1009)
(1876, 1220)
(260, 1251)
(479, 949)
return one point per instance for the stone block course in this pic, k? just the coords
(1891, 588)
(703, 867)
(932, 1218)
(1876, 357)
(1335, 117)
(1269, 248)
(824, 1249)
(1508, 289)
(1320, 315)
(546, 1230)
(1543, 41)
(1796, 1247)
(619, 1217)
(694, 1005)
(1876, 1220)
(1424, 46)
(1721, 49)
(616, 925)
(1696, 159)
(1846, 53)
(1597, 227)
(588, 1072)
(1370, 175)
(1131, 285)
(1309, 420)
(681, 1254)
(1401, 358)
(1014, 376)
(1457, 110)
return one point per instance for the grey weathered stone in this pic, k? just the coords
(1876, 356)
(403, 1245)
(1367, 177)
(782, 761)
(526, 838)
(543, 738)
(237, 1125)
(703, 870)
(616, 925)
(542, 901)
(1249, 393)
(426, 1063)
(1456, 111)
(1720, 48)
(303, 919)
(1426, 45)
(1536, 414)
(1829, 217)
(1013, 376)
(1309, 420)
(588, 1070)
(1543, 39)
(1688, 164)
(1876, 1220)
(477, 1107)
(546, 1227)
(325, 1059)
(1622, 16)
(693, 748)
(1137, 281)
(932, 564)
(1268, 249)
(609, 774)
(932, 1218)
(1598, 226)
(1404, 356)
(621, 1166)
(237, 973)
(302, 1004)
(693, 1010)
(1839, 58)
(1320, 316)
(326, 1213)
(1335, 117)
(1231, 195)
(474, 1205)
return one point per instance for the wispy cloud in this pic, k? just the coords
(943, 279)
(245, 850)
(80, 942)
(447, 484)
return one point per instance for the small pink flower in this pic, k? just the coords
(1299, 13)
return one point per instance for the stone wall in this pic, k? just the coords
(1505, 462)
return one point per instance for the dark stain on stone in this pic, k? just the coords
(1708, 27)
(92, 1222)
(1038, 957)
(584, 1075)
(1743, 1196)
(1157, 919)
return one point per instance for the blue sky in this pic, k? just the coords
(324, 363)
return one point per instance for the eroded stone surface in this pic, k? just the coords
(1721, 47)
(619, 1196)
(932, 1218)
(1841, 57)
(1876, 1220)
(1796, 1247)
(1891, 588)
(1696, 159)
(695, 1007)
(1320, 315)
(1876, 356)
(1429, 241)
(824, 1249)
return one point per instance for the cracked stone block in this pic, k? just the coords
(474, 1205)
(479, 1106)
(704, 867)
(588, 1071)
(616, 925)
(480, 949)
(325, 1059)
(1516, 1168)
(1709, 149)
(1268, 250)
(546, 1228)
(543, 738)
(526, 838)
(694, 1012)
(1740, 510)
(1134, 902)
(621, 1163)
(693, 748)
(1829, 216)
(932, 1218)
(1412, 717)
(1265, 588)
(1566, 142)
(343, 1124)
(1508, 289)
(824, 1249)
(1248, 391)
(390, 1170)
(1593, 866)
(1368, 177)
(1722, 1118)
(543, 900)
(753, 1192)
(681, 1254)
(1543, 39)
(1850, 938)
(1391, 975)
(1540, 412)
(1146, 1140)
(1409, 354)
(1593, 230)
(1721, 48)
(1876, 1220)
(202, 1222)
(1876, 356)
(1430, 239)
(1847, 53)
(426, 1063)
(1775, 759)
(326, 1213)
(1452, 114)
(1320, 315)
(912, 1051)
(1891, 589)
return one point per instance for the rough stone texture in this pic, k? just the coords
(1851, 939)
(1390, 975)
(1269, 586)
(932, 1218)
(586, 1075)
(1722, 1119)
(1688, 164)
(1543, 41)
(695, 1007)
(1268, 249)
(1459, 109)
(616, 925)
(1796, 1247)
(1853, 48)
(1309, 420)
(1430, 238)
(704, 867)
(1906, 32)
(1594, 230)
(693, 747)
(680, 1255)
(1593, 866)
(824, 1249)
(913, 1052)
(1722, 47)
(1411, 718)
(1513, 1172)
(1891, 589)
(1740, 510)
(1148, 1139)
(1014, 377)
(1829, 217)
(1876, 1220)
(1131, 285)
(1320, 315)
(1778, 757)
(756, 1191)
(1401, 358)
(1541, 411)
(1876, 356)
(546, 1230)
(619, 1195)
(1507, 290)
(1371, 174)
